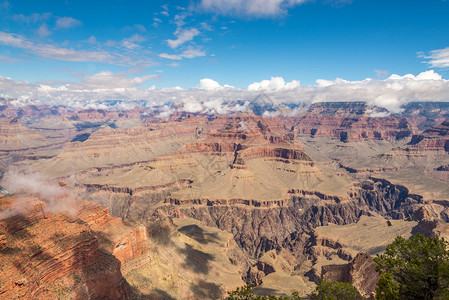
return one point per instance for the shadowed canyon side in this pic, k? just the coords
(55, 255)
(203, 204)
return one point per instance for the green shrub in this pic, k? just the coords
(417, 268)
(334, 290)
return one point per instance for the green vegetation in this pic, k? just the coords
(246, 293)
(414, 269)
(325, 290)
(333, 290)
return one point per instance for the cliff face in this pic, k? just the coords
(274, 152)
(351, 122)
(356, 128)
(259, 227)
(360, 272)
(433, 139)
(63, 256)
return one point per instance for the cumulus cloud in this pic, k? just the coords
(427, 75)
(254, 8)
(67, 22)
(212, 97)
(275, 83)
(193, 106)
(437, 58)
(183, 36)
(210, 85)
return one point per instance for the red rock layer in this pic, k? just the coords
(285, 153)
(61, 256)
(354, 128)
(433, 139)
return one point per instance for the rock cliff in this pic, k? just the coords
(55, 255)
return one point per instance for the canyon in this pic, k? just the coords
(192, 206)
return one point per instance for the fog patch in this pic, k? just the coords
(25, 185)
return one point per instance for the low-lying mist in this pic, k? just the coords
(25, 185)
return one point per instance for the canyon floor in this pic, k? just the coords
(127, 205)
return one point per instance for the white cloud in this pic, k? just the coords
(188, 53)
(43, 30)
(381, 74)
(170, 56)
(209, 84)
(183, 36)
(14, 40)
(67, 54)
(325, 83)
(92, 40)
(136, 38)
(212, 85)
(192, 53)
(132, 41)
(156, 22)
(390, 93)
(109, 80)
(427, 75)
(254, 8)
(193, 106)
(67, 22)
(275, 83)
(437, 58)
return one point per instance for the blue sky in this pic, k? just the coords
(178, 43)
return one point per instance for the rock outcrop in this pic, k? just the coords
(360, 272)
(56, 256)
(432, 139)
